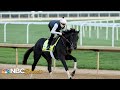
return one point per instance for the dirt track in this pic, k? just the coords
(59, 73)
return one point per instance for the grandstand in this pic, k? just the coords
(48, 15)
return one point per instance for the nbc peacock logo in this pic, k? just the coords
(5, 71)
(12, 70)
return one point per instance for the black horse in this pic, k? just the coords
(62, 51)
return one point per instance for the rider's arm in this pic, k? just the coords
(53, 31)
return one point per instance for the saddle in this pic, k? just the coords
(51, 46)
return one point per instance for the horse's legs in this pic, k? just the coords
(37, 55)
(62, 58)
(49, 61)
(70, 57)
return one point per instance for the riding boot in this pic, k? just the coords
(48, 47)
(50, 40)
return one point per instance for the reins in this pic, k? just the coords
(66, 40)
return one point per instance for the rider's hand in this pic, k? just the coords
(60, 34)
(63, 33)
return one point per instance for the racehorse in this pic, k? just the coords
(62, 51)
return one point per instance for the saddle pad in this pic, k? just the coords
(51, 47)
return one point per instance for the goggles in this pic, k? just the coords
(63, 24)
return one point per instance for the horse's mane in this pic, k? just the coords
(72, 30)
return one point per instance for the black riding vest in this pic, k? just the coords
(52, 23)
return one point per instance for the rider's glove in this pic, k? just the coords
(60, 34)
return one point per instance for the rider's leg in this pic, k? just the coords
(50, 40)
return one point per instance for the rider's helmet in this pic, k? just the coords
(63, 22)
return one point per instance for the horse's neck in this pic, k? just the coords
(64, 41)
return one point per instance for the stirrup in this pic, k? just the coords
(48, 47)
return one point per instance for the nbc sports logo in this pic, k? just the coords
(12, 70)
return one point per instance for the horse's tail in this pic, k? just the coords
(26, 55)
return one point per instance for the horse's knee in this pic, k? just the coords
(75, 60)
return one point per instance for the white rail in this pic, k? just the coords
(27, 23)
(80, 24)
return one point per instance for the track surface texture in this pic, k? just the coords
(58, 73)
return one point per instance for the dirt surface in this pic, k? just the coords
(58, 73)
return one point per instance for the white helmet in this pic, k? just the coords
(63, 21)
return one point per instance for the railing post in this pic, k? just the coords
(98, 57)
(113, 35)
(81, 34)
(5, 32)
(117, 33)
(16, 57)
(107, 31)
(28, 33)
(97, 32)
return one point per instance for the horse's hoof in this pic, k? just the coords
(73, 73)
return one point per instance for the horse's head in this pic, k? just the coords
(72, 36)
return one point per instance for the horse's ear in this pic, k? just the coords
(77, 31)
(72, 29)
